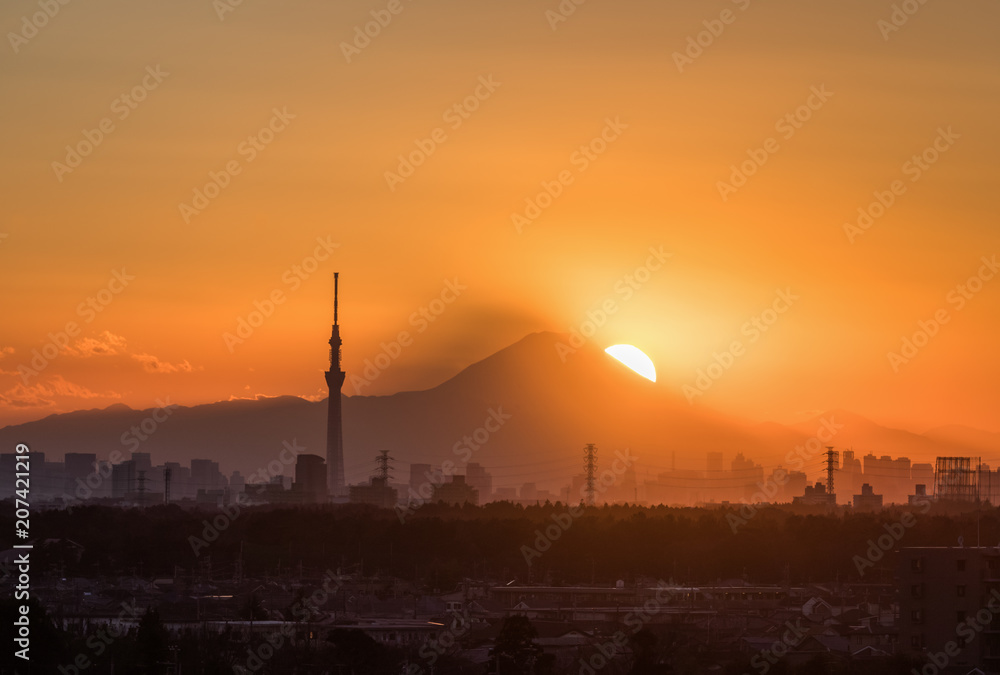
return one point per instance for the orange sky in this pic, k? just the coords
(209, 84)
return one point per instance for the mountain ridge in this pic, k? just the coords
(551, 407)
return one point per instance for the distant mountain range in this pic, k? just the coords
(549, 406)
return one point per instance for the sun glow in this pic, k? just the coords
(634, 358)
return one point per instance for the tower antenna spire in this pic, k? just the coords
(335, 381)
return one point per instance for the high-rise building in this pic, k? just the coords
(237, 481)
(143, 461)
(310, 478)
(377, 493)
(528, 491)
(421, 485)
(901, 483)
(478, 477)
(205, 475)
(180, 481)
(867, 500)
(713, 463)
(849, 477)
(949, 598)
(456, 492)
(509, 494)
(123, 479)
(796, 485)
(79, 466)
(816, 495)
(923, 474)
(334, 427)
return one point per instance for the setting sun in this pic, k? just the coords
(634, 358)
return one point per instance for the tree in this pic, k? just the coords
(48, 646)
(515, 651)
(644, 647)
(151, 642)
(254, 609)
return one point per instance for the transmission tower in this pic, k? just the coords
(832, 457)
(590, 466)
(384, 469)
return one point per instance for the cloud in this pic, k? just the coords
(43, 394)
(106, 344)
(109, 344)
(152, 364)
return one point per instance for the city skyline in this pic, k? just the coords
(533, 337)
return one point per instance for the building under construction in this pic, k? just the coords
(956, 479)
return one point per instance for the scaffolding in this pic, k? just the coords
(957, 479)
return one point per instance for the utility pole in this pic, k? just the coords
(590, 466)
(238, 571)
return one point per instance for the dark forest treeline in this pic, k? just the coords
(438, 545)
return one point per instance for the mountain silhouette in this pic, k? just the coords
(552, 401)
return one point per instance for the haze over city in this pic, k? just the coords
(553, 337)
